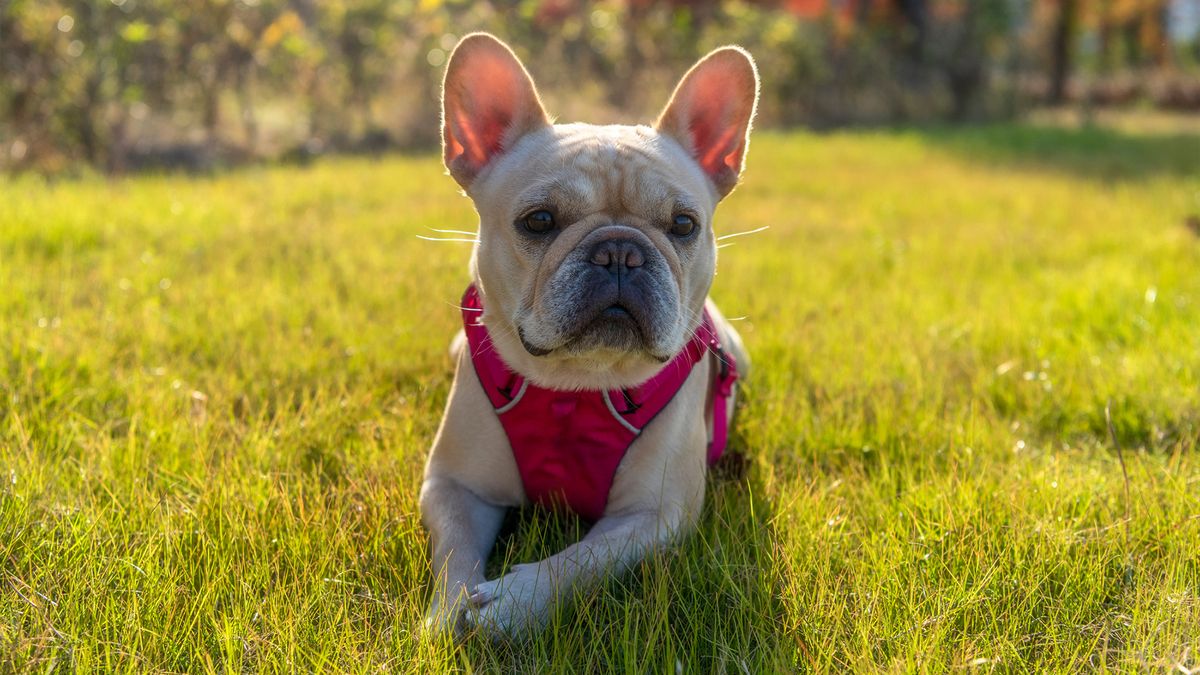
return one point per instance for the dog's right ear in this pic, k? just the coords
(488, 102)
(711, 111)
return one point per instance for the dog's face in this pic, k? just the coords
(596, 246)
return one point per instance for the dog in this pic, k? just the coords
(593, 374)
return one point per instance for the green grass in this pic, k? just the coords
(937, 319)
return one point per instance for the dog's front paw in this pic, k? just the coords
(513, 605)
(445, 616)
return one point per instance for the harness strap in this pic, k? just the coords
(727, 375)
(568, 445)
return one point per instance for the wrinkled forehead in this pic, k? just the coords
(587, 169)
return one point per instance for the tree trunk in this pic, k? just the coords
(245, 86)
(1161, 16)
(211, 93)
(1105, 38)
(88, 117)
(1061, 50)
(916, 15)
(965, 73)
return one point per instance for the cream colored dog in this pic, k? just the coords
(572, 216)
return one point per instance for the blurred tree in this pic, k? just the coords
(361, 30)
(1062, 48)
(120, 83)
(916, 16)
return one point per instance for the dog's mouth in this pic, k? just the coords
(615, 327)
(617, 312)
(530, 347)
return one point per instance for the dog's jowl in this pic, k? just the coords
(593, 374)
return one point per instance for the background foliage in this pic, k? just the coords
(125, 84)
(217, 392)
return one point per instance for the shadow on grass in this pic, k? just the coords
(708, 604)
(1093, 152)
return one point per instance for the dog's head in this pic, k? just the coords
(596, 247)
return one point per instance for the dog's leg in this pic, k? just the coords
(463, 528)
(521, 600)
(657, 495)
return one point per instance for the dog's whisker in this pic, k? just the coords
(742, 234)
(721, 246)
(466, 232)
(470, 241)
(457, 306)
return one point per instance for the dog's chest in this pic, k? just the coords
(568, 445)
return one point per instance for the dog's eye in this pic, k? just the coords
(539, 222)
(682, 225)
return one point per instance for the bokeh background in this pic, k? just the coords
(971, 436)
(124, 85)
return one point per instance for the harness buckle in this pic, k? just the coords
(727, 371)
(631, 406)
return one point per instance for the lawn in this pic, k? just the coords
(216, 396)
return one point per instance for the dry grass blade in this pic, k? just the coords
(1112, 432)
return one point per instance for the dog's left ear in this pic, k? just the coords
(711, 111)
(488, 103)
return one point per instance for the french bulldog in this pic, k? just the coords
(591, 271)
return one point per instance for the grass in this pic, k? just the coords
(216, 396)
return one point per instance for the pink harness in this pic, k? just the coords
(568, 444)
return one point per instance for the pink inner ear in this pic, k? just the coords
(488, 109)
(488, 101)
(482, 139)
(717, 157)
(716, 128)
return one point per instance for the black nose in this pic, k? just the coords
(617, 255)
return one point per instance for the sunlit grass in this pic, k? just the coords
(216, 395)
